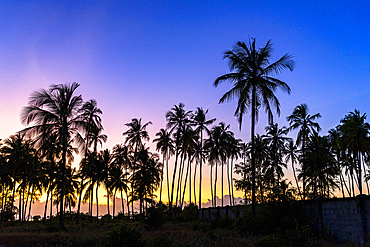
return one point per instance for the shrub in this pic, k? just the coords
(124, 236)
(36, 218)
(157, 215)
(189, 213)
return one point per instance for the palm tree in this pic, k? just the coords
(55, 111)
(90, 116)
(292, 155)
(136, 133)
(177, 119)
(356, 139)
(165, 145)
(253, 85)
(300, 118)
(200, 123)
(123, 158)
(276, 139)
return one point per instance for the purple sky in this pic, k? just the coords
(139, 58)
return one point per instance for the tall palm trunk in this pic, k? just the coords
(215, 188)
(194, 189)
(123, 207)
(46, 206)
(186, 179)
(304, 162)
(231, 181)
(173, 183)
(252, 150)
(295, 178)
(64, 162)
(228, 183)
(212, 185)
(179, 182)
(97, 202)
(222, 183)
(200, 170)
(160, 187)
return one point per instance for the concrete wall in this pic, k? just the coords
(347, 219)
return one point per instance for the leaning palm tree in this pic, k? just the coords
(302, 120)
(55, 111)
(253, 85)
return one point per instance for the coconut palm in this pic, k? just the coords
(200, 123)
(177, 118)
(123, 158)
(276, 139)
(166, 146)
(90, 116)
(291, 153)
(253, 85)
(356, 139)
(302, 120)
(136, 133)
(55, 111)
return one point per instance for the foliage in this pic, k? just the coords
(157, 215)
(189, 213)
(271, 218)
(125, 236)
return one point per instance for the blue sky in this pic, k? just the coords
(139, 58)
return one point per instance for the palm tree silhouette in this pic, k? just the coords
(300, 118)
(166, 146)
(253, 85)
(200, 123)
(55, 111)
(356, 138)
(136, 133)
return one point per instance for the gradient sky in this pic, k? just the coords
(139, 58)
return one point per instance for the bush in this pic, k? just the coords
(124, 236)
(161, 242)
(189, 213)
(157, 215)
(36, 218)
(272, 218)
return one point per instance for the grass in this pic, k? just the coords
(170, 234)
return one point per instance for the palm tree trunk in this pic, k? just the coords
(114, 203)
(179, 182)
(228, 183)
(97, 203)
(222, 183)
(186, 179)
(108, 201)
(189, 181)
(123, 206)
(304, 163)
(295, 177)
(168, 181)
(64, 162)
(46, 206)
(254, 109)
(195, 176)
(231, 180)
(215, 188)
(79, 203)
(160, 189)
(200, 170)
(212, 185)
(173, 183)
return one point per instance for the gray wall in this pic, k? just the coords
(347, 219)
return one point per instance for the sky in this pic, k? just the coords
(140, 58)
